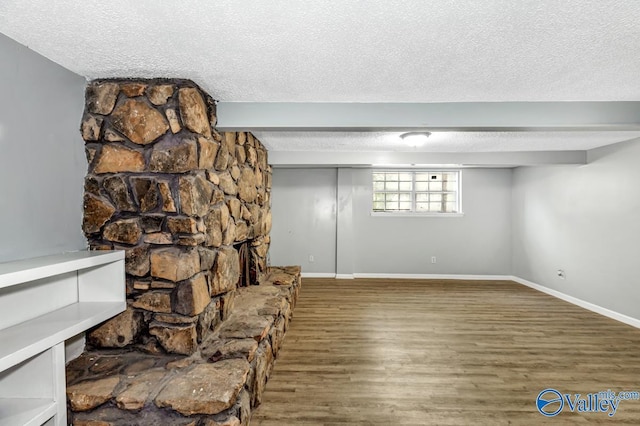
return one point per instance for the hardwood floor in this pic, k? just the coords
(391, 352)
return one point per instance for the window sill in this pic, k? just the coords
(410, 214)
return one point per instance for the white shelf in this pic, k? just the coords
(43, 302)
(24, 340)
(21, 271)
(26, 411)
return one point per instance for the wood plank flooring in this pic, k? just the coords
(396, 352)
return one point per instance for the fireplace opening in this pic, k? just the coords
(248, 265)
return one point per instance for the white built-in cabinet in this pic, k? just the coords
(43, 302)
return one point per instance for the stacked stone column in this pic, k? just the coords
(177, 196)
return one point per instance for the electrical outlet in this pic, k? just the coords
(311, 258)
(434, 259)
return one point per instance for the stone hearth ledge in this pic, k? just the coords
(217, 385)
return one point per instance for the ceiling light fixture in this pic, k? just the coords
(415, 138)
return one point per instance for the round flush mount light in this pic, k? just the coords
(415, 138)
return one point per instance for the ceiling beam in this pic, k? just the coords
(398, 159)
(454, 116)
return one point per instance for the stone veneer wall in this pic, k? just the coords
(177, 195)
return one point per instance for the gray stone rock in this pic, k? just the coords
(158, 238)
(213, 233)
(229, 141)
(152, 222)
(154, 301)
(92, 185)
(240, 326)
(194, 111)
(264, 361)
(207, 258)
(118, 191)
(208, 319)
(235, 208)
(191, 296)
(227, 303)
(252, 156)
(205, 389)
(174, 123)
(111, 136)
(231, 421)
(139, 389)
(226, 271)
(244, 405)
(195, 195)
(97, 211)
(208, 151)
(219, 349)
(145, 190)
(158, 95)
(191, 240)
(101, 97)
(174, 154)
(222, 159)
(178, 339)
(229, 235)
(127, 231)
(242, 231)
(119, 331)
(136, 260)
(139, 122)
(182, 225)
(247, 185)
(91, 127)
(227, 184)
(132, 90)
(87, 395)
(174, 264)
(168, 202)
(115, 158)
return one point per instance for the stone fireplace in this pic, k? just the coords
(191, 208)
(179, 197)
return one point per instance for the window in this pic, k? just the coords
(421, 191)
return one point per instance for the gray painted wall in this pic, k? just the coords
(477, 243)
(303, 207)
(42, 163)
(304, 214)
(585, 220)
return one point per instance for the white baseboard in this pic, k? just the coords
(345, 276)
(433, 276)
(406, 276)
(318, 275)
(634, 322)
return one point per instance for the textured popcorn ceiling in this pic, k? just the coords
(353, 51)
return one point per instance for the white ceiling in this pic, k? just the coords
(442, 141)
(356, 51)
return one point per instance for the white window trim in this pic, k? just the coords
(416, 214)
(459, 213)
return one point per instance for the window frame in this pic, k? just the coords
(413, 212)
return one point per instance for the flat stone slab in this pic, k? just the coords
(90, 394)
(282, 275)
(219, 349)
(140, 389)
(206, 388)
(241, 326)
